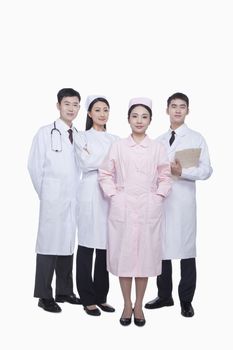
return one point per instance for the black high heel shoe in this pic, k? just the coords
(125, 321)
(139, 321)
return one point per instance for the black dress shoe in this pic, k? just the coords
(125, 321)
(49, 305)
(106, 308)
(93, 312)
(186, 309)
(72, 299)
(159, 302)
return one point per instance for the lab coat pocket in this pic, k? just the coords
(50, 189)
(155, 207)
(117, 207)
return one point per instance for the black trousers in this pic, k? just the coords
(92, 290)
(46, 265)
(187, 283)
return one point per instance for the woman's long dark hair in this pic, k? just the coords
(89, 121)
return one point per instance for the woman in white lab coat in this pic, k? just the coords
(91, 148)
(179, 238)
(54, 174)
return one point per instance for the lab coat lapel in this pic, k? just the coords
(180, 133)
(64, 132)
(165, 140)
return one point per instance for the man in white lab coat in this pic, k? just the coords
(55, 177)
(179, 236)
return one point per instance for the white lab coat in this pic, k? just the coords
(179, 226)
(55, 176)
(91, 147)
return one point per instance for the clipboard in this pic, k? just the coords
(188, 157)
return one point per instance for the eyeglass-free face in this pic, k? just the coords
(177, 111)
(69, 108)
(139, 120)
(99, 114)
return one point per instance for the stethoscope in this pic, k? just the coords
(56, 147)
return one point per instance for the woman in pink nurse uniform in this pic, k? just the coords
(136, 177)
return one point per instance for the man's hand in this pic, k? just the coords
(176, 168)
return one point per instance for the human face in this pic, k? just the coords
(68, 107)
(177, 110)
(139, 120)
(99, 114)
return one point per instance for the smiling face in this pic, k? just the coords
(139, 120)
(99, 114)
(68, 107)
(177, 110)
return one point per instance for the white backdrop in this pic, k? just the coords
(121, 49)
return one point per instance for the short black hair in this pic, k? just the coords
(89, 121)
(179, 95)
(67, 92)
(140, 104)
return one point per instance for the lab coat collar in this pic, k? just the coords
(181, 131)
(144, 143)
(63, 126)
(99, 132)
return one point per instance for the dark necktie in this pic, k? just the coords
(70, 131)
(172, 138)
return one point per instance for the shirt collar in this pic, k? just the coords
(97, 131)
(181, 131)
(144, 143)
(62, 125)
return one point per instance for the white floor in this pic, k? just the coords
(25, 326)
